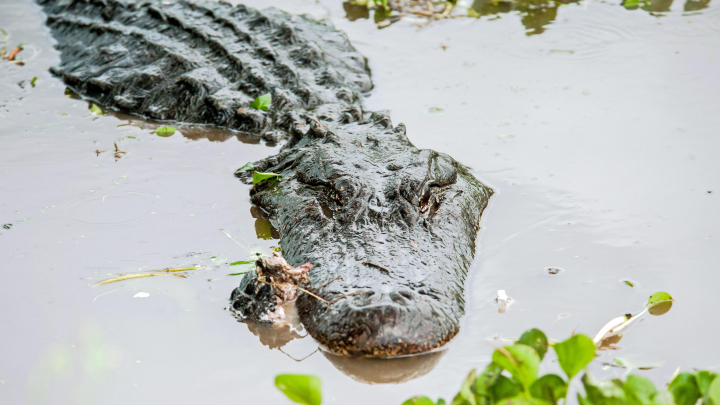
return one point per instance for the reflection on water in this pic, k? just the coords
(385, 371)
(190, 131)
(535, 15)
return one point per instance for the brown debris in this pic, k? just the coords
(11, 55)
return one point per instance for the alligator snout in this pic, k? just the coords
(386, 323)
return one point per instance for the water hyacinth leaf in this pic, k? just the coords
(603, 393)
(574, 354)
(684, 389)
(165, 131)
(247, 167)
(704, 379)
(639, 390)
(657, 297)
(659, 303)
(521, 361)
(466, 396)
(521, 400)
(505, 388)
(663, 398)
(262, 103)
(258, 176)
(536, 339)
(419, 401)
(713, 393)
(550, 387)
(486, 380)
(302, 389)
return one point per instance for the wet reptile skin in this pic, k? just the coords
(393, 225)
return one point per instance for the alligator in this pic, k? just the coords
(383, 233)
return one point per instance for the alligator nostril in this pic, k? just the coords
(406, 294)
(400, 298)
(364, 299)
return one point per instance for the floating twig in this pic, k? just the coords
(169, 270)
(137, 275)
(324, 284)
(343, 296)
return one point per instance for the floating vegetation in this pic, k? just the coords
(262, 103)
(302, 389)
(165, 131)
(658, 304)
(512, 378)
(246, 167)
(258, 177)
(155, 273)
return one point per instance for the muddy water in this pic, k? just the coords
(599, 134)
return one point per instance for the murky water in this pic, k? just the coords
(596, 125)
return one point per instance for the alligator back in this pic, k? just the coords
(204, 62)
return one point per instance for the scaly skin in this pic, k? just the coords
(389, 229)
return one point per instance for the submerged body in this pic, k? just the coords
(389, 229)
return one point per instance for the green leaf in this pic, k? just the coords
(486, 380)
(704, 378)
(520, 400)
(165, 131)
(657, 297)
(582, 400)
(32, 82)
(248, 166)
(550, 387)
(258, 177)
(663, 398)
(262, 103)
(631, 4)
(713, 393)
(435, 111)
(536, 339)
(629, 283)
(521, 361)
(603, 393)
(241, 262)
(466, 396)
(684, 389)
(419, 401)
(95, 109)
(639, 390)
(574, 354)
(302, 389)
(505, 388)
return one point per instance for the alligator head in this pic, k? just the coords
(389, 229)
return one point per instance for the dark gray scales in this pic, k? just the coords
(389, 224)
(205, 62)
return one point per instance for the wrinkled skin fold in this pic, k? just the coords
(388, 228)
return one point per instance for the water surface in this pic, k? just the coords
(599, 135)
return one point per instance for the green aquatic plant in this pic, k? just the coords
(262, 102)
(165, 131)
(512, 378)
